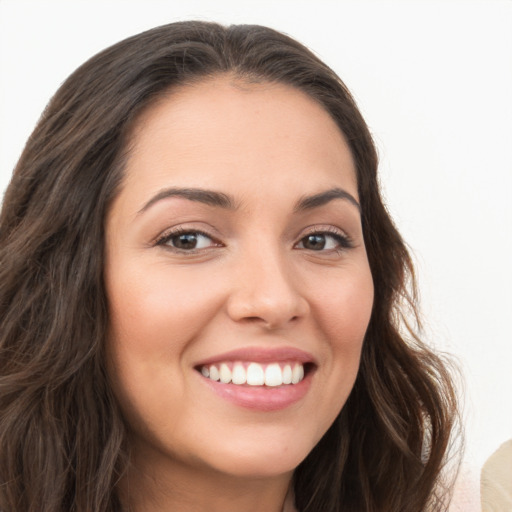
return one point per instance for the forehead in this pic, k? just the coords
(222, 132)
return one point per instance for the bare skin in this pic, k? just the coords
(237, 228)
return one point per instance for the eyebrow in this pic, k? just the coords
(221, 200)
(209, 197)
(317, 200)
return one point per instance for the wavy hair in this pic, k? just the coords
(62, 439)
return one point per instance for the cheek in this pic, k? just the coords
(156, 312)
(154, 316)
(344, 308)
(343, 311)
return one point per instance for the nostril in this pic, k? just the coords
(268, 321)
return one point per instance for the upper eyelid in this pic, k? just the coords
(329, 229)
(184, 228)
(344, 239)
(167, 235)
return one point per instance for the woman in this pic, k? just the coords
(203, 297)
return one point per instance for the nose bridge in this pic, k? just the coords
(266, 288)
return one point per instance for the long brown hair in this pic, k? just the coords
(62, 438)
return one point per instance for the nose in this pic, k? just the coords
(266, 292)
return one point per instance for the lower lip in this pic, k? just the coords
(261, 398)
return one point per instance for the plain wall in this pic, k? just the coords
(434, 81)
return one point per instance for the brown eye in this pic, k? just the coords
(324, 242)
(315, 242)
(187, 241)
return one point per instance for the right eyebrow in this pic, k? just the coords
(209, 197)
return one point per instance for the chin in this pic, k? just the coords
(259, 467)
(267, 458)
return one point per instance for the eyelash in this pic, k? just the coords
(343, 241)
(167, 237)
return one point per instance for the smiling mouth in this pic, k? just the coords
(256, 374)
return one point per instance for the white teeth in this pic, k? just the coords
(287, 374)
(239, 375)
(225, 373)
(273, 375)
(214, 373)
(297, 373)
(255, 374)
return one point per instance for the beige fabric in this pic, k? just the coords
(496, 480)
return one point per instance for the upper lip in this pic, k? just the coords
(261, 355)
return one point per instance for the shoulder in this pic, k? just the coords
(496, 483)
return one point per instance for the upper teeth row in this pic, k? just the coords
(255, 374)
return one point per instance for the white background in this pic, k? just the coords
(434, 81)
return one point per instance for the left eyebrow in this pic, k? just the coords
(316, 200)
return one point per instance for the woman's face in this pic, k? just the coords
(235, 252)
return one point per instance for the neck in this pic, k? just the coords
(161, 487)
